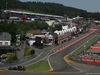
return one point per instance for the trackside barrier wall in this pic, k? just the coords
(91, 44)
(84, 49)
(75, 57)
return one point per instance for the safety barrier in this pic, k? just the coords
(83, 49)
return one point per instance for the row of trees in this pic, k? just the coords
(40, 7)
(47, 8)
(19, 27)
(23, 27)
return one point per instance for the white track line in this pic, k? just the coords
(30, 61)
(37, 61)
(73, 52)
(93, 73)
(66, 47)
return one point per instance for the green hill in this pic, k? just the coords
(47, 8)
(40, 7)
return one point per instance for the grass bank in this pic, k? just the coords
(39, 66)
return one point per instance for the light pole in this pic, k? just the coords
(87, 42)
(84, 48)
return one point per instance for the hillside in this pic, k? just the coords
(39, 7)
(46, 8)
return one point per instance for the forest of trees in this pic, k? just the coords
(19, 27)
(23, 27)
(47, 8)
(38, 7)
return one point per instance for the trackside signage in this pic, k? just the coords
(93, 29)
(98, 42)
(94, 47)
(22, 18)
(91, 60)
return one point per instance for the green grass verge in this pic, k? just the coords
(39, 66)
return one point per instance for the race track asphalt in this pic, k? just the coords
(57, 60)
(37, 73)
(59, 65)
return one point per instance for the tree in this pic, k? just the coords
(27, 52)
(47, 8)
(58, 27)
(11, 58)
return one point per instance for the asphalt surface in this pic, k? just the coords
(37, 73)
(57, 60)
(31, 60)
(42, 55)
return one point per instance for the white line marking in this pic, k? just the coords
(49, 61)
(37, 61)
(93, 73)
(29, 61)
(34, 58)
(61, 50)
(73, 52)
(74, 67)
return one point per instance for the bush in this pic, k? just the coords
(11, 59)
(4, 56)
(27, 52)
(32, 52)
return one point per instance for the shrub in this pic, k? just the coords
(27, 52)
(4, 56)
(32, 52)
(11, 58)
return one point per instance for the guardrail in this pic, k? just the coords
(83, 49)
(86, 46)
(90, 44)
